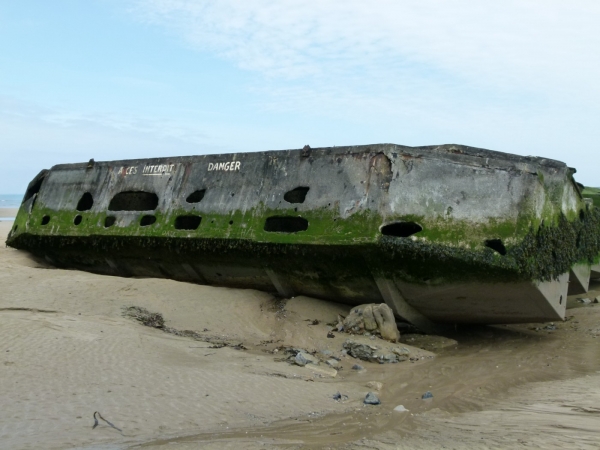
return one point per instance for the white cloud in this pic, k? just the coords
(536, 45)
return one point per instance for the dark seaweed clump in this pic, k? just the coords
(543, 254)
(145, 317)
(551, 251)
(156, 320)
(425, 262)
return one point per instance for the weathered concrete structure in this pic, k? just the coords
(441, 234)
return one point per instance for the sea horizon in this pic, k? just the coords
(9, 202)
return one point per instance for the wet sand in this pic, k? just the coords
(8, 212)
(66, 351)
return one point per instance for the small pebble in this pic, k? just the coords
(400, 408)
(339, 397)
(303, 359)
(357, 367)
(371, 399)
(427, 395)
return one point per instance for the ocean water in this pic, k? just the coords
(9, 201)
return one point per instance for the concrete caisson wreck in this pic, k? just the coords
(448, 234)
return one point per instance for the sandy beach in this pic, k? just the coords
(67, 350)
(8, 212)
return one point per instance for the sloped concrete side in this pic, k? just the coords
(579, 279)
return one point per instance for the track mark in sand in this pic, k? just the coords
(590, 410)
(34, 310)
(100, 416)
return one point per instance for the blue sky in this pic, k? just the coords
(110, 79)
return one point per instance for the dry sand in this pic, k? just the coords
(66, 351)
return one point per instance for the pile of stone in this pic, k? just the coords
(371, 318)
(375, 354)
(302, 357)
